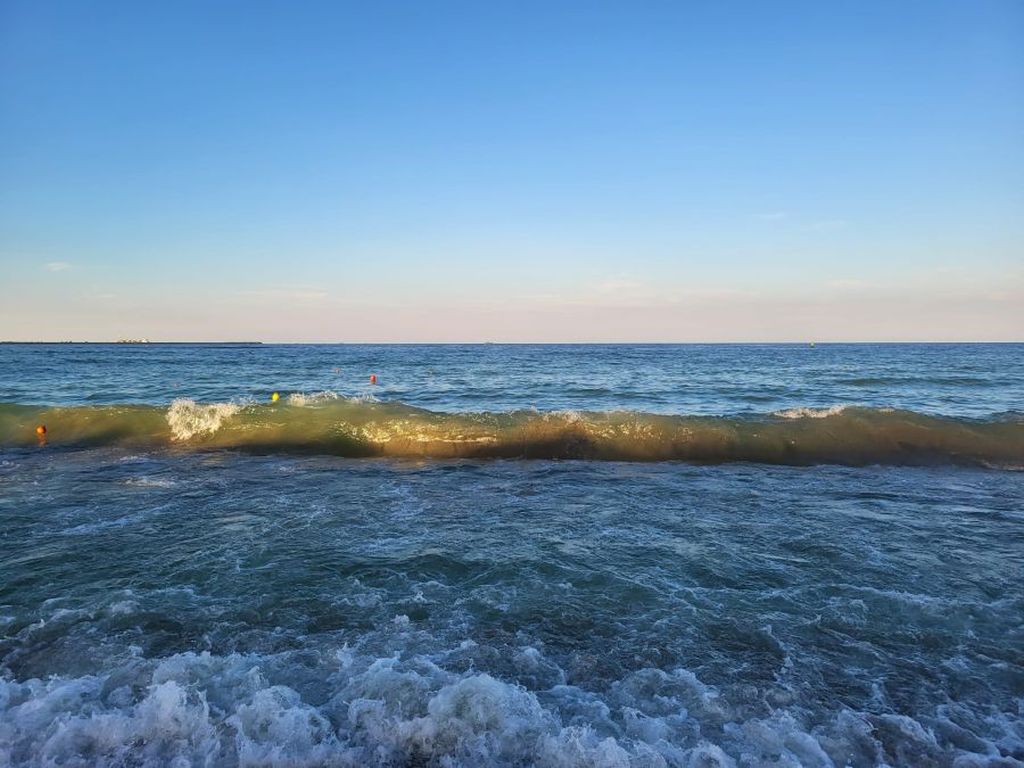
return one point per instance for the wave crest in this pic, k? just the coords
(810, 413)
(359, 428)
(302, 399)
(187, 418)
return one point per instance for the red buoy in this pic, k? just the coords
(373, 378)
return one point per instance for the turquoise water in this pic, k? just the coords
(196, 600)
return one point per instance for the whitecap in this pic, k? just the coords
(187, 418)
(810, 413)
(315, 398)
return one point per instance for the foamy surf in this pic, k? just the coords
(202, 709)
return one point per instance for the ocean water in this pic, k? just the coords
(512, 555)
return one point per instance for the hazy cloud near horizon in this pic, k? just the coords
(616, 310)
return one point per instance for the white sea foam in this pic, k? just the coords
(123, 608)
(187, 418)
(810, 413)
(150, 482)
(567, 415)
(313, 398)
(202, 709)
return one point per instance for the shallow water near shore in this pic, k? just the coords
(194, 603)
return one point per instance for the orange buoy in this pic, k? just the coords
(41, 430)
(373, 378)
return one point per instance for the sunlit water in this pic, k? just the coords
(201, 605)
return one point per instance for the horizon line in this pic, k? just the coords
(226, 342)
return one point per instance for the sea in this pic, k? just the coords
(512, 555)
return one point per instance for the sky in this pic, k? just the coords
(529, 171)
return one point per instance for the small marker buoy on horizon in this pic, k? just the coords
(373, 378)
(275, 397)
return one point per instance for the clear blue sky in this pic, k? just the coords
(512, 171)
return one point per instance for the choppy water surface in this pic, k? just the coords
(186, 602)
(972, 380)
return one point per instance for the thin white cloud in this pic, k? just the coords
(57, 266)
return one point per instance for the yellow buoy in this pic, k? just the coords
(275, 397)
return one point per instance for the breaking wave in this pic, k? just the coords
(316, 398)
(810, 413)
(187, 418)
(331, 424)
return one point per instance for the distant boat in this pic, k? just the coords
(133, 341)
